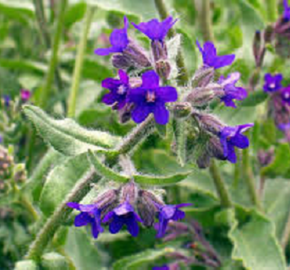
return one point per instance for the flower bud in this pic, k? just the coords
(282, 37)
(133, 56)
(147, 206)
(215, 149)
(265, 157)
(107, 201)
(181, 109)
(203, 76)
(159, 50)
(5, 162)
(203, 161)
(209, 123)
(125, 113)
(163, 68)
(201, 96)
(129, 193)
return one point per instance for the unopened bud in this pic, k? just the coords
(159, 50)
(5, 161)
(203, 161)
(147, 207)
(133, 56)
(182, 109)
(265, 157)
(125, 113)
(203, 77)
(201, 96)
(163, 68)
(209, 123)
(215, 148)
(129, 193)
(107, 201)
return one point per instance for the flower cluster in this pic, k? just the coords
(128, 206)
(140, 96)
(279, 100)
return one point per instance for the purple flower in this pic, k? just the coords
(124, 214)
(118, 90)
(286, 10)
(154, 29)
(167, 213)
(285, 95)
(163, 267)
(210, 57)
(151, 98)
(90, 214)
(6, 99)
(231, 137)
(25, 94)
(230, 90)
(119, 40)
(272, 82)
(284, 127)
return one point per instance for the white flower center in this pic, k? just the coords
(150, 96)
(121, 90)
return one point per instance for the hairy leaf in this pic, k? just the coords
(105, 171)
(255, 244)
(52, 261)
(26, 265)
(61, 180)
(66, 136)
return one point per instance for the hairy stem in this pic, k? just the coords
(54, 56)
(220, 185)
(204, 18)
(286, 234)
(60, 215)
(79, 63)
(250, 180)
(183, 74)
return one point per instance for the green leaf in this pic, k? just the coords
(160, 180)
(66, 136)
(161, 129)
(19, 10)
(105, 171)
(26, 265)
(255, 244)
(128, 6)
(84, 252)
(279, 166)
(254, 99)
(134, 262)
(74, 13)
(61, 180)
(52, 261)
(277, 206)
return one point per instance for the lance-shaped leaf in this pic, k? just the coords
(141, 259)
(105, 171)
(66, 136)
(160, 180)
(180, 139)
(255, 244)
(61, 180)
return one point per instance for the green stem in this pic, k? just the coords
(79, 63)
(54, 56)
(220, 186)
(42, 24)
(272, 10)
(29, 207)
(204, 18)
(80, 190)
(183, 74)
(250, 180)
(286, 234)
(60, 215)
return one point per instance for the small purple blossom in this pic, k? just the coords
(163, 267)
(90, 214)
(231, 137)
(284, 127)
(167, 213)
(154, 29)
(231, 90)
(272, 82)
(25, 94)
(118, 90)
(151, 98)
(118, 39)
(285, 95)
(210, 57)
(286, 14)
(124, 214)
(6, 99)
